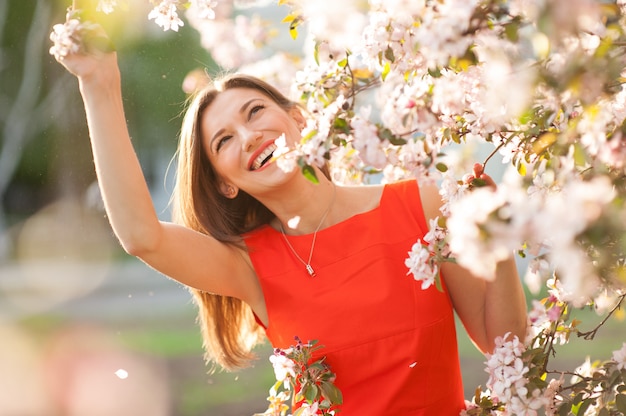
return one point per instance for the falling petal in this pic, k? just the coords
(122, 374)
(293, 222)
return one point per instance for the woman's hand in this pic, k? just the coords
(93, 57)
(479, 178)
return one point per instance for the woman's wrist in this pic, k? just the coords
(98, 86)
(103, 76)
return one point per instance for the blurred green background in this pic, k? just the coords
(84, 327)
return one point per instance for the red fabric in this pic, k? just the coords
(392, 345)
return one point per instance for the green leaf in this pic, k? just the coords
(438, 283)
(332, 393)
(478, 183)
(316, 53)
(564, 409)
(386, 134)
(317, 366)
(434, 72)
(325, 404)
(293, 31)
(543, 142)
(386, 70)
(441, 167)
(341, 125)
(310, 393)
(293, 26)
(584, 406)
(580, 157)
(620, 403)
(389, 55)
(511, 31)
(309, 172)
(277, 385)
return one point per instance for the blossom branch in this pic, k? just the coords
(589, 335)
(493, 153)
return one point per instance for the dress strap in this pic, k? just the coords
(405, 195)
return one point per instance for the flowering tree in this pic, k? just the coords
(395, 86)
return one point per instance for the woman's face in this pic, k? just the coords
(239, 129)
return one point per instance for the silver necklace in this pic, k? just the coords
(307, 264)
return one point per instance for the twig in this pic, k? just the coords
(548, 348)
(589, 335)
(493, 153)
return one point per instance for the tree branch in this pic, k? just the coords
(589, 335)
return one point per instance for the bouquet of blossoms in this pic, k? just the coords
(303, 385)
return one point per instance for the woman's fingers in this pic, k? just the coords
(84, 49)
(478, 177)
(478, 169)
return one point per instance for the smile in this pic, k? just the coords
(262, 158)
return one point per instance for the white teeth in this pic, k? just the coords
(258, 162)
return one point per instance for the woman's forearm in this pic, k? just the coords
(505, 303)
(126, 196)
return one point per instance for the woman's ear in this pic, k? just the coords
(229, 191)
(296, 114)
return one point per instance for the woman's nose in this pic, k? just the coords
(251, 139)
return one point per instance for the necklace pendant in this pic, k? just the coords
(310, 270)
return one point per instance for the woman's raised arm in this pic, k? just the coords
(126, 196)
(190, 257)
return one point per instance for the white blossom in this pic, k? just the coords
(204, 9)
(165, 15)
(341, 28)
(619, 356)
(284, 367)
(308, 409)
(366, 140)
(106, 6)
(286, 158)
(507, 378)
(420, 266)
(65, 38)
(481, 234)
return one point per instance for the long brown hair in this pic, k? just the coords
(229, 330)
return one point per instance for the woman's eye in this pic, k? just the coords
(221, 142)
(255, 110)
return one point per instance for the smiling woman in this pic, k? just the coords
(269, 252)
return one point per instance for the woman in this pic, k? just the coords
(337, 276)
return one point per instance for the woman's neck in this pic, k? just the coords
(305, 208)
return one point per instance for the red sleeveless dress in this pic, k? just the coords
(391, 344)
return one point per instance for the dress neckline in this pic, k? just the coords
(341, 223)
